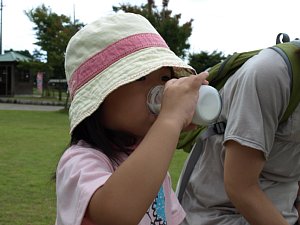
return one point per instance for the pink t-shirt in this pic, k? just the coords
(82, 170)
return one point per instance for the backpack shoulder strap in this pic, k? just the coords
(217, 128)
(288, 52)
(219, 73)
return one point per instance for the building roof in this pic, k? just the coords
(13, 57)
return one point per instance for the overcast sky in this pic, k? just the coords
(222, 25)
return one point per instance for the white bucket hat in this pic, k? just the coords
(110, 52)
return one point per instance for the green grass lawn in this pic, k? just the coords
(30, 146)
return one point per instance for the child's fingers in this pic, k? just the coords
(199, 79)
(203, 76)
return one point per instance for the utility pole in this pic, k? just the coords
(74, 20)
(1, 8)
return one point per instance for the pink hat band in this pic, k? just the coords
(111, 54)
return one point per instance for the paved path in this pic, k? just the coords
(9, 106)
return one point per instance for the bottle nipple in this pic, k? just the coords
(154, 99)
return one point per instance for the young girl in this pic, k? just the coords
(115, 170)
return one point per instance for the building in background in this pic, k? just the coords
(13, 80)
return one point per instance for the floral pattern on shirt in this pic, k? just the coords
(156, 212)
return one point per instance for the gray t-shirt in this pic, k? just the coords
(254, 100)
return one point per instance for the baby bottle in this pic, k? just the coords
(207, 109)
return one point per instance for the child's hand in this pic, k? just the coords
(180, 98)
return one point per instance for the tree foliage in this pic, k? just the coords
(203, 60)
(165, 23)
(53, 33)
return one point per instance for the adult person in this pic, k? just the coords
(250, 174)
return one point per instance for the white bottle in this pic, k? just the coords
(207, 109)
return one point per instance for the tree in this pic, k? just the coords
(167, 25)
(202, 61)
(53, 33)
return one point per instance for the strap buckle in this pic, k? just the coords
(219, 127)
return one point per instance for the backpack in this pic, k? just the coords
(218, 76)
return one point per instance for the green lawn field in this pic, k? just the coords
(30, 146)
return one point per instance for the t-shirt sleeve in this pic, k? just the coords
(177, 212)
(255, 99)
(80, 172)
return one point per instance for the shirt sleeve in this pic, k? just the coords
(255, 99)
(80, 172)
(177, 212)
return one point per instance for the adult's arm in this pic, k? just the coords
(243, 166)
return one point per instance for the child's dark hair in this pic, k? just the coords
(110, 142)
